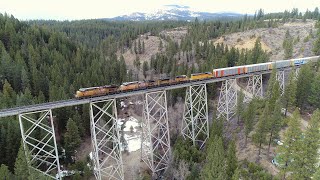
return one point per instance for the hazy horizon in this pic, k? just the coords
(95, 9)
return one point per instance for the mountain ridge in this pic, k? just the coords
(175, 12)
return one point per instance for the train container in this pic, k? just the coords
(229, 71)
(258, 67)
(201, 76)
(163, 81)
(96, 91)
(282, 64)
(302, 61)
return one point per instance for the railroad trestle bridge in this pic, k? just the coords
(155, 148)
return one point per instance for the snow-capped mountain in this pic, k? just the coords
(174, 12)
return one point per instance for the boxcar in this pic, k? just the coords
(201, 76)
(229, 71)
(302, 61)
(282, 64)
(258, 67)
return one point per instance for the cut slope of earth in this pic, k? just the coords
(272, 39)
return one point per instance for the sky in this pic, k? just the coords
(92, 9)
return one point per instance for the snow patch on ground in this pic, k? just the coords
(132, 138)
(131, 122)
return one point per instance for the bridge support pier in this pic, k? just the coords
(280, 79)
(227, 99)
(105, 139)
(155, 144)
(195, 124)
(39, 142)
(254, 87)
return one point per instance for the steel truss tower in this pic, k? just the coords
(227, 99)
(195, 124)
(155, 144)
(254, 87)
(39, 142)
(280, 79)
(105, 139)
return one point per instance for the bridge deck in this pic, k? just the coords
(73, 102)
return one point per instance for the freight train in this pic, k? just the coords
(216, 73)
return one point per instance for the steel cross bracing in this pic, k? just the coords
(74, 102)
(195, 124)
(280, 79)
(39, 142)
(105, 139)
(155, 147)
(227, 99)
(254, 87)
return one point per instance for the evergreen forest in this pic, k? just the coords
(46, 60)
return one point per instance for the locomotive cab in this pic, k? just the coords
(79, 94)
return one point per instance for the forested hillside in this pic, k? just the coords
(44, 61)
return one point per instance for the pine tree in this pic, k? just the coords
(4, 172)
(236, 175)
(304, 85)
(8, 95)
(240, 105)
(316, 45)
(231, 159)
(274, 123)
(306, 155)
(292, 141)
(271, 82)
(25, 82)
(21, 170)
(143, 47)
(139, 47)
(145, 68)
(2, 144)
(160, 45)
(314, 97)
(260, 135)
(249, 117)
(274, 96)
(135, 47)
(287, 45)
(137, 63)
(316, 175)
(215, 167)
(289, 96)
(71, 137)
(216, 128)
